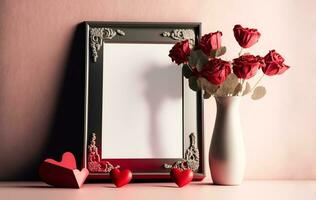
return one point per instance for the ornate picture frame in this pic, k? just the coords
(99, 34)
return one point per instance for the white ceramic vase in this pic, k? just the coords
(227, 153)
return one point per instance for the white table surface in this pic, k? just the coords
(250, 189)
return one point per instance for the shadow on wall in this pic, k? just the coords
(162, 83)
(67, 126)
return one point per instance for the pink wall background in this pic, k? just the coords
(41, 77)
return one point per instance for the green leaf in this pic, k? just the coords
(218, 52)
(193, 83)
(238, 89)
(258, 93)
(221, 51)
(229, 85)
(247, 89)
(206, 95)
(186, 71)
(198, 59)
(208, 87)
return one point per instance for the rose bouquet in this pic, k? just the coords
(205, 70)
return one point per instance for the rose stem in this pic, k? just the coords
(242, 87)
(239, 54)
(189, 66)
(257, 83)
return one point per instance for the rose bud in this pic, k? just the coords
(274, 64)
(216, 71)
(180, 52)
(246, 66)
(246, 37)
(211, 41)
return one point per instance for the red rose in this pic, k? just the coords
(180, 52)
(211, 41)
(216, 71)
(246, 66)
(274, 64)
(246, 37)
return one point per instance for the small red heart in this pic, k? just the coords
(68, 161)
(121, 178)
(181, 177)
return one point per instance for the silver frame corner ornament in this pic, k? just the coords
(97, 35)
(180, 35)
(94, 159)
(191, 158)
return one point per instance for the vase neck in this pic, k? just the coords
(227, 105)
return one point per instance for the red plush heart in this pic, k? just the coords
(181, 177)
(63, 173)
(68, 161)
(121, 178)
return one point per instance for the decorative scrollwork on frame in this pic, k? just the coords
(181, 34)
(94, 159)
(97, 35)
(191, 158)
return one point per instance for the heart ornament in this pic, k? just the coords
(63, 173)
(181, 177)
(121, 178)
(68, 161)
